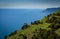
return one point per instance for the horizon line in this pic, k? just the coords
(25, 7)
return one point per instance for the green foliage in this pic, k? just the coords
(25, 26)
(22, 36)
(13, 33)
(5, 37)
(36, 22)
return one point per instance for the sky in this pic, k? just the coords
(29, 3)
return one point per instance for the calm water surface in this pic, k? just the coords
(13, 19)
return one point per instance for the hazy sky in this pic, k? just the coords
(29, 3)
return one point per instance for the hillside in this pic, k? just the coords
(51, 9)
(46, 28)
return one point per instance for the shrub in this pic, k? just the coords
(23, 36)
(25, 26)
(5, 37)
(15, 32)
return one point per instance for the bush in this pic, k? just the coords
(25, 26)
(23, 36)
(32, 23)
(5, 37)
(15, 32)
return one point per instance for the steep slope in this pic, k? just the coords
(46, 28)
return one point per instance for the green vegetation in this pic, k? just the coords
(46, 28)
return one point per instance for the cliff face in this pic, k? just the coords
(46, 28)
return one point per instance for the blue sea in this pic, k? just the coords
(13, 19)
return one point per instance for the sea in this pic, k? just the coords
(13, 19)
